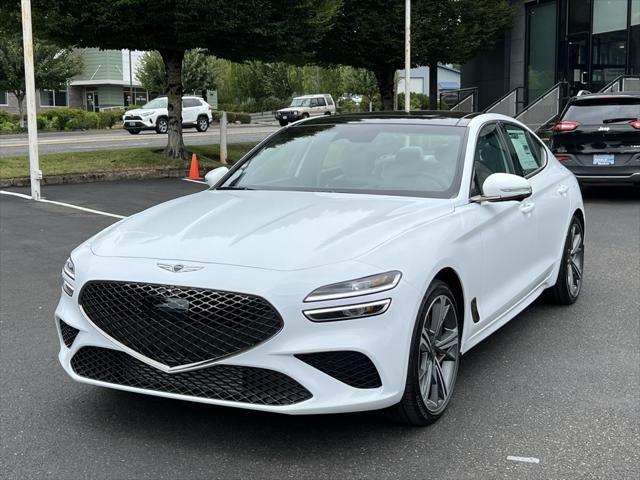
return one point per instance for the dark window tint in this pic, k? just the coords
(492, 156)
(329, 101)
(597, 112)
(321, 102)
(579, 13)
(527, 151)
(3, 98)
(190, 102)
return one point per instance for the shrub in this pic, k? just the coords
(8, 127)
(109, 118)
(60, 117)
(233, 117)
(43, 122)
(86, 121)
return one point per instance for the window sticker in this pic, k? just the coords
(525, 155)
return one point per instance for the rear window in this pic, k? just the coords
(610, 110)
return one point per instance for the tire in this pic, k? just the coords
(569, 282)
(424, 400)
(305, 115)
(134, 132)
(202, 125)
(283, 123)
(162, 125)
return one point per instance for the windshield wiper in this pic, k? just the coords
(235, 188)
(616, 120)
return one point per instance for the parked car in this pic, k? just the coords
(598, 138)
(153, 115)
(344, 264)
(305, 107)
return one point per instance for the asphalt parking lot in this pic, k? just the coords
(560, 385)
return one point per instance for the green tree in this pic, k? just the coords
(370, 34)
(54, 66)
(198, 71)
(270, 30)
(361, 81)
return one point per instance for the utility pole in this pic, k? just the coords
(223, 137)
(32, 127)
(132, 99)
(407, 55)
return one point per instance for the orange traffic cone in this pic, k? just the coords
(194, 170)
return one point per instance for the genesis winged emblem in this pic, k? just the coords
(178, 268)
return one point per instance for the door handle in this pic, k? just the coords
(562, 190)
(527, 207)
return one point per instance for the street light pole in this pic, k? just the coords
(132, 99)
(32, 127)
(407, 55)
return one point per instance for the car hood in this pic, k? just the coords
(267, 229)
(290, 109)
(136, 111)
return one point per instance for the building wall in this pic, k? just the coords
(420, 78)
(101, 65)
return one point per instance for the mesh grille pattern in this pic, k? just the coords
(353, 368)
(69, 333)
(179, 325)
(219, 382)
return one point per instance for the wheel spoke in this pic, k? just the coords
(576, 244)
(445, 343)
(439, 378)
(425, 380)
(575, 269)
(439, 315)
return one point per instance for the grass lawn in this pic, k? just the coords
(114, 160)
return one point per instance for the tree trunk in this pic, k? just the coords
(385, 80)
(20, 97)
(173, 76)
(433, 85)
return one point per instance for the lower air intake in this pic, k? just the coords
(353, 368)
(218, 382)
(68, 333)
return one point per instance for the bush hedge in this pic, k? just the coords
(233, 117)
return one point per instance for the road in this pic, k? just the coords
(60, 142)
(559, 384)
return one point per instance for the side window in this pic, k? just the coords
(321, 102)
(528, 153)
(329, 100)
(314, 102)
(190, 102)
(492, 156)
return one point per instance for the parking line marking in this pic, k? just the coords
(523, 459)
(194, 181)
(62, 204)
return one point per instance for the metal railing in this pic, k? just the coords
(545, 108)
(509, 105)
(623, 83)
(462, 100)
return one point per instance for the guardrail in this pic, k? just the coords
(463, 100)
(545, 108)
(623, 83)
(510, 104)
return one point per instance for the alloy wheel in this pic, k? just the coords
(575, 260)
(204, 124)
(438, 355)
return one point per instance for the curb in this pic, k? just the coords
(95, 177)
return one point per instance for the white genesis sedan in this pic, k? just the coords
(344, 264)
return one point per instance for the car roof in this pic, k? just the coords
(435, 117)
(314, 95)
(604, 96)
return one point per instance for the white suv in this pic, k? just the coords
(154, 115)
(306, 106)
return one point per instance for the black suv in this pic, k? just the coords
(598, 138)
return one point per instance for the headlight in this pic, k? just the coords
(146, 114)
(68, 277)
(296, 112)
(348, 312)
(353, 288)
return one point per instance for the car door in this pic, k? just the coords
(322, 106)
(506, 231)
(549, 198)
(189, 110)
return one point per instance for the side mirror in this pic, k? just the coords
(215, 175)
(504, 187)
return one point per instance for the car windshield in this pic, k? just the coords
(156, 103)
(300, 102)
(597, 112)
(384, 158)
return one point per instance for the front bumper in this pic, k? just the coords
(383, 339)
(288, 116)
(138, 123)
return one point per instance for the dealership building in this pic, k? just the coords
(108, 80)
(583, 44)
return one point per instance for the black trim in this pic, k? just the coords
(353, 368)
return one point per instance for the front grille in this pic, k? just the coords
(68, 333)
(179, 325)
(353, 368)
(132, 117)
(219, 382)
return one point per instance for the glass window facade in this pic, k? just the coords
(3, 98)
(579, 16)
(609, 15)
(541, 68)
(53, 98)
(634, 38)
